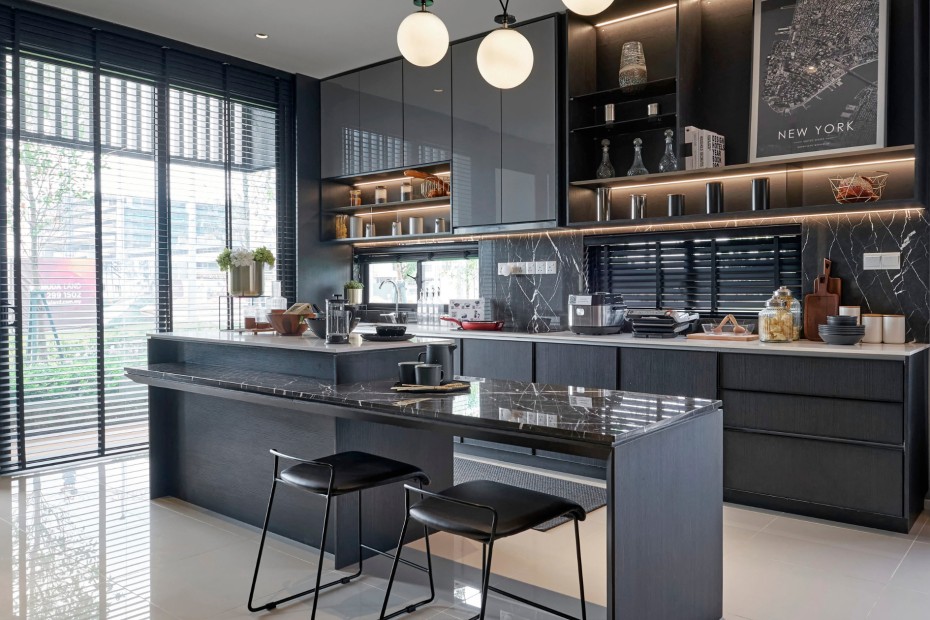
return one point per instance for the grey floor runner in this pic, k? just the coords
(590, 497)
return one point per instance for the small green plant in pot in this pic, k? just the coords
(245, 269)
(353, 291)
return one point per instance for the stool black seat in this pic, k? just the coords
(352, 472)
(517, 510)
(332, 476)
(484, 511)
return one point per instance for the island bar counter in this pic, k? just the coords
(211, 427)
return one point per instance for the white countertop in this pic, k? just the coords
(307, 342)
(800, 347)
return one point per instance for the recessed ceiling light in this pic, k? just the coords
(437, 90)
(261, 35)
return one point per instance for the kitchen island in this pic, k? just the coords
(213, 420)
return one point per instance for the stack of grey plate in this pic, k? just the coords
(841, 330)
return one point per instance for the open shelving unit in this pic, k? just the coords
(335, 203)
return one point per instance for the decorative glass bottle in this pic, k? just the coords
(668, 163)
(775, 322)
(794, 307)
(606, 169)
(637, 168)
(632, 67)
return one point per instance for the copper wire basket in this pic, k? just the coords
(860, 187)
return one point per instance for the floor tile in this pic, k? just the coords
(207, 584)
(734, 537)
(914, 572)
(862, 554)
(764, 589)
(747, 517)
(900, 604)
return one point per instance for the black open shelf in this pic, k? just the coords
(401, 204)
(648, 91)
(636, 125)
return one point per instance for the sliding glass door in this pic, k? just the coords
(128, 168)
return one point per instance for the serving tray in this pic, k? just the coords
(447, 387)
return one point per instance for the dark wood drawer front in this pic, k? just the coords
(822, 472)
(667, 372)
(809, 415)
(579, 365)
(498, 359)
(814, 376)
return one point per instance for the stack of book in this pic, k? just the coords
(708, 149)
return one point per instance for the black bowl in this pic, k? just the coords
(839, 319)
(318, 325)
(843, 340)
(390, 330)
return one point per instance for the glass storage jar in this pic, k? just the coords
(794, 307)
(380, 195)
(406, 191)
(775, 322)
(355, 197)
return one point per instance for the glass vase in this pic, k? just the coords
(632, 67)
(637, 168)
(606, 169)
(668, 163)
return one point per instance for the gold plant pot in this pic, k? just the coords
(248, 281)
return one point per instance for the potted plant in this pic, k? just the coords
(245, 270)
(353, 291)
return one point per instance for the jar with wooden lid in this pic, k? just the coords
(794, 307)
(775, 322)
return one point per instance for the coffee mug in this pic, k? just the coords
(429, 374)
(407, 372)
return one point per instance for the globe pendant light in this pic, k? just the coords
(422, 37)
(587, 7)
(505, 57)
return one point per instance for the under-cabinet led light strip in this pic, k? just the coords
(654, 227)
(373, 213)
(762, 174)
(623, 19)
(438, 174)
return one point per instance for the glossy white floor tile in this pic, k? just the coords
(86, 542)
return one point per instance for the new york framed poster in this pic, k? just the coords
(818, 77)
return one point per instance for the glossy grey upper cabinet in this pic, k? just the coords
(381, 117)
(339, 109)
(428, 112)
(476, 136)
(529, 116)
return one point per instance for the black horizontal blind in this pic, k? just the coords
(128, 167)
(715, 274)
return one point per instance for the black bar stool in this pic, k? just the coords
(485, 511)
(341, 474)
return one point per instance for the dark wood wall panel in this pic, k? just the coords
(668, 372)
(828, 473)
(578, 365)
(808, 415)
(814, 376)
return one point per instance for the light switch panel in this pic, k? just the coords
(550, 266)
(871, 261)
(891, 260)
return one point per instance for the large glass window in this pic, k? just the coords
(442, 278)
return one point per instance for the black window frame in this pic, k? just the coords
(364, 259)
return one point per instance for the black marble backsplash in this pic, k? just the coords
(845, 238)
(537, 302)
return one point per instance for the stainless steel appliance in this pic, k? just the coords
(597, 314)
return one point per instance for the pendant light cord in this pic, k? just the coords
(504, 6)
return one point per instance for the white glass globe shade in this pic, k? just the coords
(587, 7)
(505, 58)
(423, 39)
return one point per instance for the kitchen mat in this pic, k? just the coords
(590, 497)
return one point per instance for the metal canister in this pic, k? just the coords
(637, 206)
(603, 204)
(370, 230)
(609, 113)
(397, 229)
(415, 226)
(439, 225)
(356, 227)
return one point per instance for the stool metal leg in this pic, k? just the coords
(580, 575)
(429, 570)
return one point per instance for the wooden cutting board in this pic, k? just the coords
(834, 285)
(819, 305)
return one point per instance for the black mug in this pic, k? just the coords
(407, 372)
(429, 374)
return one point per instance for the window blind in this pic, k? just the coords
(713, 272)
(128, 167)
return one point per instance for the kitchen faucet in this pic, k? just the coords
(396, 318)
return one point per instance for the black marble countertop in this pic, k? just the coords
(604, 417)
